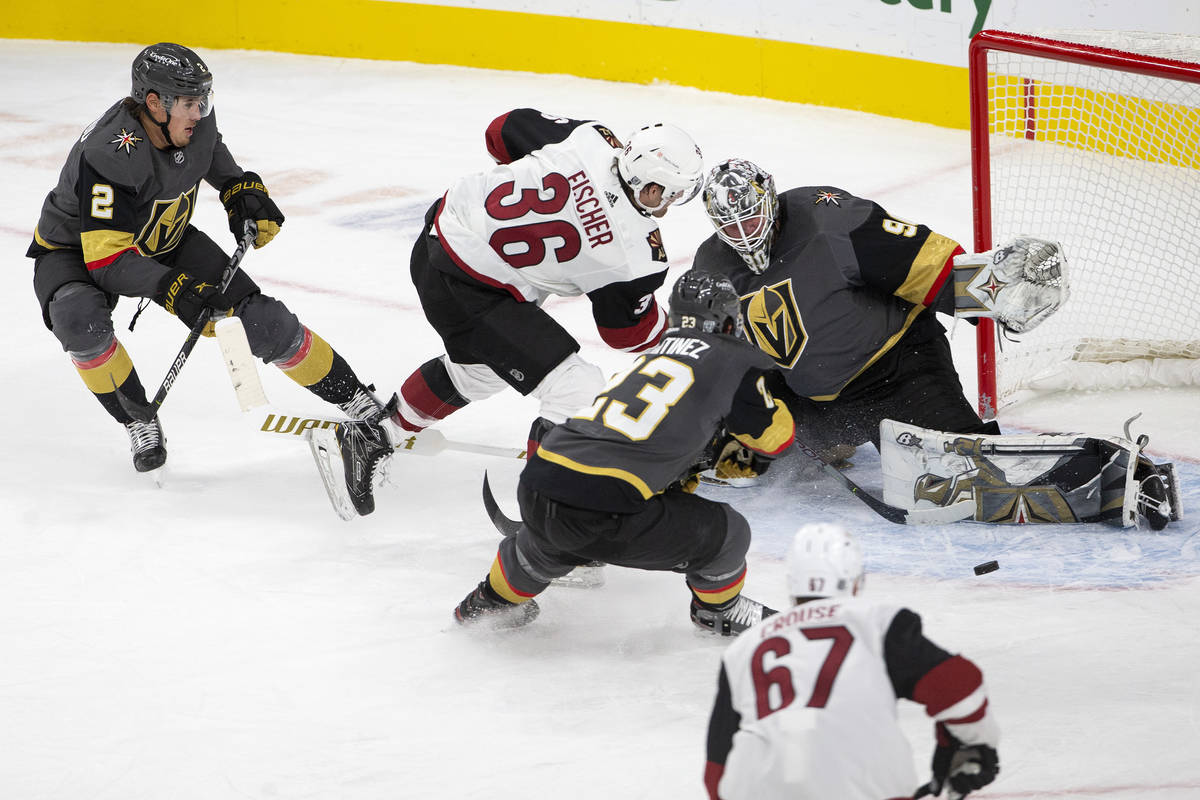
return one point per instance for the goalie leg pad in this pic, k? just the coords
(1025, 479)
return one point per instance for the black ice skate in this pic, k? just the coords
(731, 618)
(362, 406)
(364, 447)
(484, 605)
(148, 444)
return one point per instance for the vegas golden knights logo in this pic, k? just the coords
(773, 323)
(168, 221)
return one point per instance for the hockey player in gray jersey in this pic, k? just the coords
(118, 224)
(806, 701)
(842, 295)
(609, 483)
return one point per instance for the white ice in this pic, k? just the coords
(226, 636)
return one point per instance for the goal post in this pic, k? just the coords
(1092, 139)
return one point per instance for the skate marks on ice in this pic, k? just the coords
(1083, 556)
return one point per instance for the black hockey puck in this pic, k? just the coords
(986, 567)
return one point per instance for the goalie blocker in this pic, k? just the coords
(1028, 479)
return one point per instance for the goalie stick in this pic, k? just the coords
(900, 516)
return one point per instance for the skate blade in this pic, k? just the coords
(322, 443)
(156, 477)
(585, 577)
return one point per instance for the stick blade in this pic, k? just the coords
(239, 363)
(506, 526)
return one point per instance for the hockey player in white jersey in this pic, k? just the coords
(806, 699)
(568, 210)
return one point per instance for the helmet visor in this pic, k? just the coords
(192, 105)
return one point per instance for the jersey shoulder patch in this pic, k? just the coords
(608, 136)
(657, 251)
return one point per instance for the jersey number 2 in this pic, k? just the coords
(780, 676)
(532, 236)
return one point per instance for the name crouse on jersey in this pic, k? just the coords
(818, 709)
(555, 222)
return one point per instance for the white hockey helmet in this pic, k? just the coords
(742, 204)
(824, 561)
(662, 154)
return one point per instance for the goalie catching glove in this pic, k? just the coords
(1019, 284)
(246, 200)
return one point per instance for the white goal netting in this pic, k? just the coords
(1106, 159)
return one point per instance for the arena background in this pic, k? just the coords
(900, 58)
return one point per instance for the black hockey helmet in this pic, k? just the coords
(170, 71)
(707, 302)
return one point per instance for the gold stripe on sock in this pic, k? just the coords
(100, 373)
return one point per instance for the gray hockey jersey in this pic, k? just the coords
(122, 201)
(844, 283)
(655, 420)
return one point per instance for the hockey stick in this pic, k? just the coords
(146, 413)
(506, 526)
(900, 516)
(248, 387)
(584, 576)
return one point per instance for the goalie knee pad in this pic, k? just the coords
(567, 388)
(1027, 479)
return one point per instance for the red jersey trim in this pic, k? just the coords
(495, 141)
(950, 682)
(640, 336)
(104, 262)
(947, 268)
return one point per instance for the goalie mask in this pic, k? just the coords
(824, 561)
(705, 302)
(742, 204)
(172, 71)
(665, 155)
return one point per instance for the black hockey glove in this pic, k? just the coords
(964, 768)
(246, 200)
(186, 296)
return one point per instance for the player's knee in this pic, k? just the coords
(731, 553)
(569, 387)
(80, 319)
(272, 330)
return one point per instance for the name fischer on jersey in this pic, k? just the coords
(590, 210)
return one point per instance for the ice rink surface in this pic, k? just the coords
(226, 636)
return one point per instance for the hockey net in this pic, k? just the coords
(1093, 139)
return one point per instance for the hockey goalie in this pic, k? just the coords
(1028, 479)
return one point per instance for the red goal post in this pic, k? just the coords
(1092, 139)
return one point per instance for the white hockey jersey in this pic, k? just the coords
(555, 222)
(806, 706)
